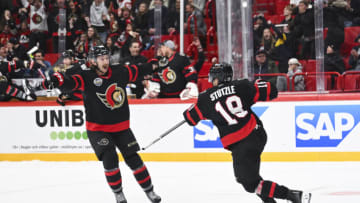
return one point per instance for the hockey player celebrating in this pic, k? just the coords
(72, 67)
(228, 104)
(107, 118)
(174, 78)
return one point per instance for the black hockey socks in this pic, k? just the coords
(113, 177)
(143, 178)
(268, 190)
(140, 171)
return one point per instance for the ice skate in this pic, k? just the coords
(153, 197)
(120, 197)
(296, 196)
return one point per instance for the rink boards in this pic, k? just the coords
(299, 128)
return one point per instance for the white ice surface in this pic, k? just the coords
(176, 182)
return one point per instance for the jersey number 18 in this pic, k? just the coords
(234, 106)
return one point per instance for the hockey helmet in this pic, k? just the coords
(68, 54)
(222, 71)
(98, 51)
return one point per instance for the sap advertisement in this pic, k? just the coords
(301, 126)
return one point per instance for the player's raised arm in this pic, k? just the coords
(8, 67)
(264, 91)
(59, 80)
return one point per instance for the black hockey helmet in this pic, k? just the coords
(68, 54)
(98, 51)
(222, 71)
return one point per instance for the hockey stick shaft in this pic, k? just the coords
(164, 134)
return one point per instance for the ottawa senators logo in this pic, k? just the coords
(37, 19)
(113, 98)
(167, 75)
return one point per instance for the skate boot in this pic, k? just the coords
(120, 197)
(296, 196)
(153, 197)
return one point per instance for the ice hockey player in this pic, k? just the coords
(72, 67)
(228, 104)
(175, 77)
(7, 89)
(107, 118)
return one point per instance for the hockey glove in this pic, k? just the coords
(152, 90)
(191, 91)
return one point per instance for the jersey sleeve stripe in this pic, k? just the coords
(8, 89)
(76, 83)
(268, 91)
(82, 84)
(130, 73)
(189, 118)
(15, 92)
(9, 67)
(257, 94)
(60, 78)
(188, 74)
(155, 79)
(272, 190)
(199, 112)
(136, 72)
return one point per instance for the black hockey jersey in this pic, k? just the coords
(173, 78)
(228, 106)
(105, 99)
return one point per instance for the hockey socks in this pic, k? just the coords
(268, 190)
(142, 176)
(113, 177)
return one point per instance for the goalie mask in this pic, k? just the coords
(223, 72)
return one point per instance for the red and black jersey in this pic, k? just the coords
(173, 78)
(105, 99)
(229, 107)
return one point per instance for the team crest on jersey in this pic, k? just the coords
(98, 82)
(113, 98)
(37, 19)
(167, 75)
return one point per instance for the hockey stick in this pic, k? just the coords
(164, 134)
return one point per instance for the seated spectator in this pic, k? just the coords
(3, 53)
(6, 34)
(7, 19)
(259, 25)
(16, 51)
(40, 67)
(115, 51)
(294, 67)
(264, 65)
(268, 40)
(80, 46)
(93, 39)
(333, 60)
(354, 60)
(136, 59)
(38, 25)
(126, 38)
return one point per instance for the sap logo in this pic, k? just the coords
(206, 134)
(325, 126)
